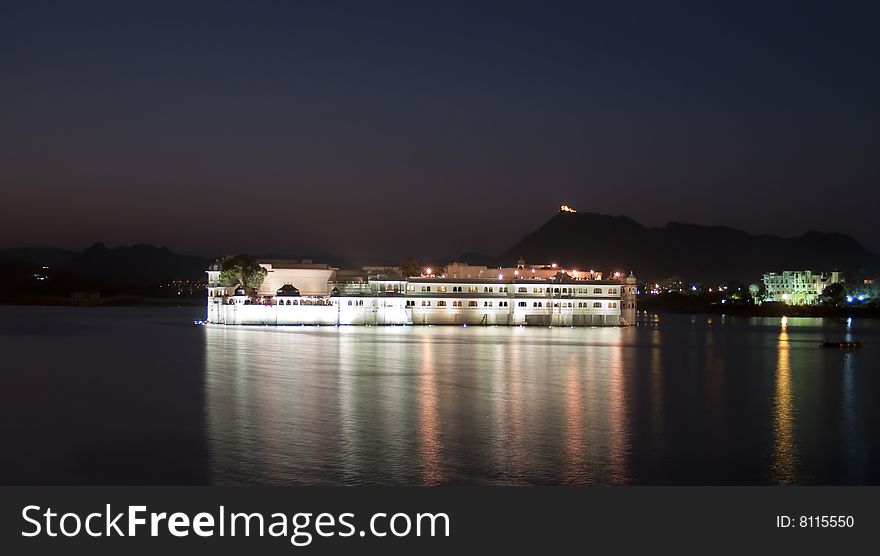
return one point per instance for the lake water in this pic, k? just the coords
(142, 396)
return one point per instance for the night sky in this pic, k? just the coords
(430, 128)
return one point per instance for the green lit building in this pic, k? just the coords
(798, 287)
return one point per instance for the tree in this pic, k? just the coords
(242, 270)
(410, 267)
(834, 294)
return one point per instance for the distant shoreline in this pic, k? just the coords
(109, 301)
(698, 306)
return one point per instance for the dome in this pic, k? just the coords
(287, 290)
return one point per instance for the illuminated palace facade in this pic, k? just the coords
(799, 287)
(308, 293)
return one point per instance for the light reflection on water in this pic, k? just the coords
(416, 405)
(141, 396)
(785, 450)
(691, 401)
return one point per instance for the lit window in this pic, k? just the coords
(441, 288)
(472, 303)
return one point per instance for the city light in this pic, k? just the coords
(566, 208)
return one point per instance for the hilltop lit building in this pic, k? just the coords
(308, 293)
(798, 287)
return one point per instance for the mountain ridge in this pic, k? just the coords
(586, 240)
(694, 251)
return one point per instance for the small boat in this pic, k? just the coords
(841, 345)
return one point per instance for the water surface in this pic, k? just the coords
(142, 396)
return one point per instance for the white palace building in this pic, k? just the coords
(308, 293)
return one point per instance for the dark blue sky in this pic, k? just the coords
(430, 128)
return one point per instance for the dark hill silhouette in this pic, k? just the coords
(140, 264)
(599, 241)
